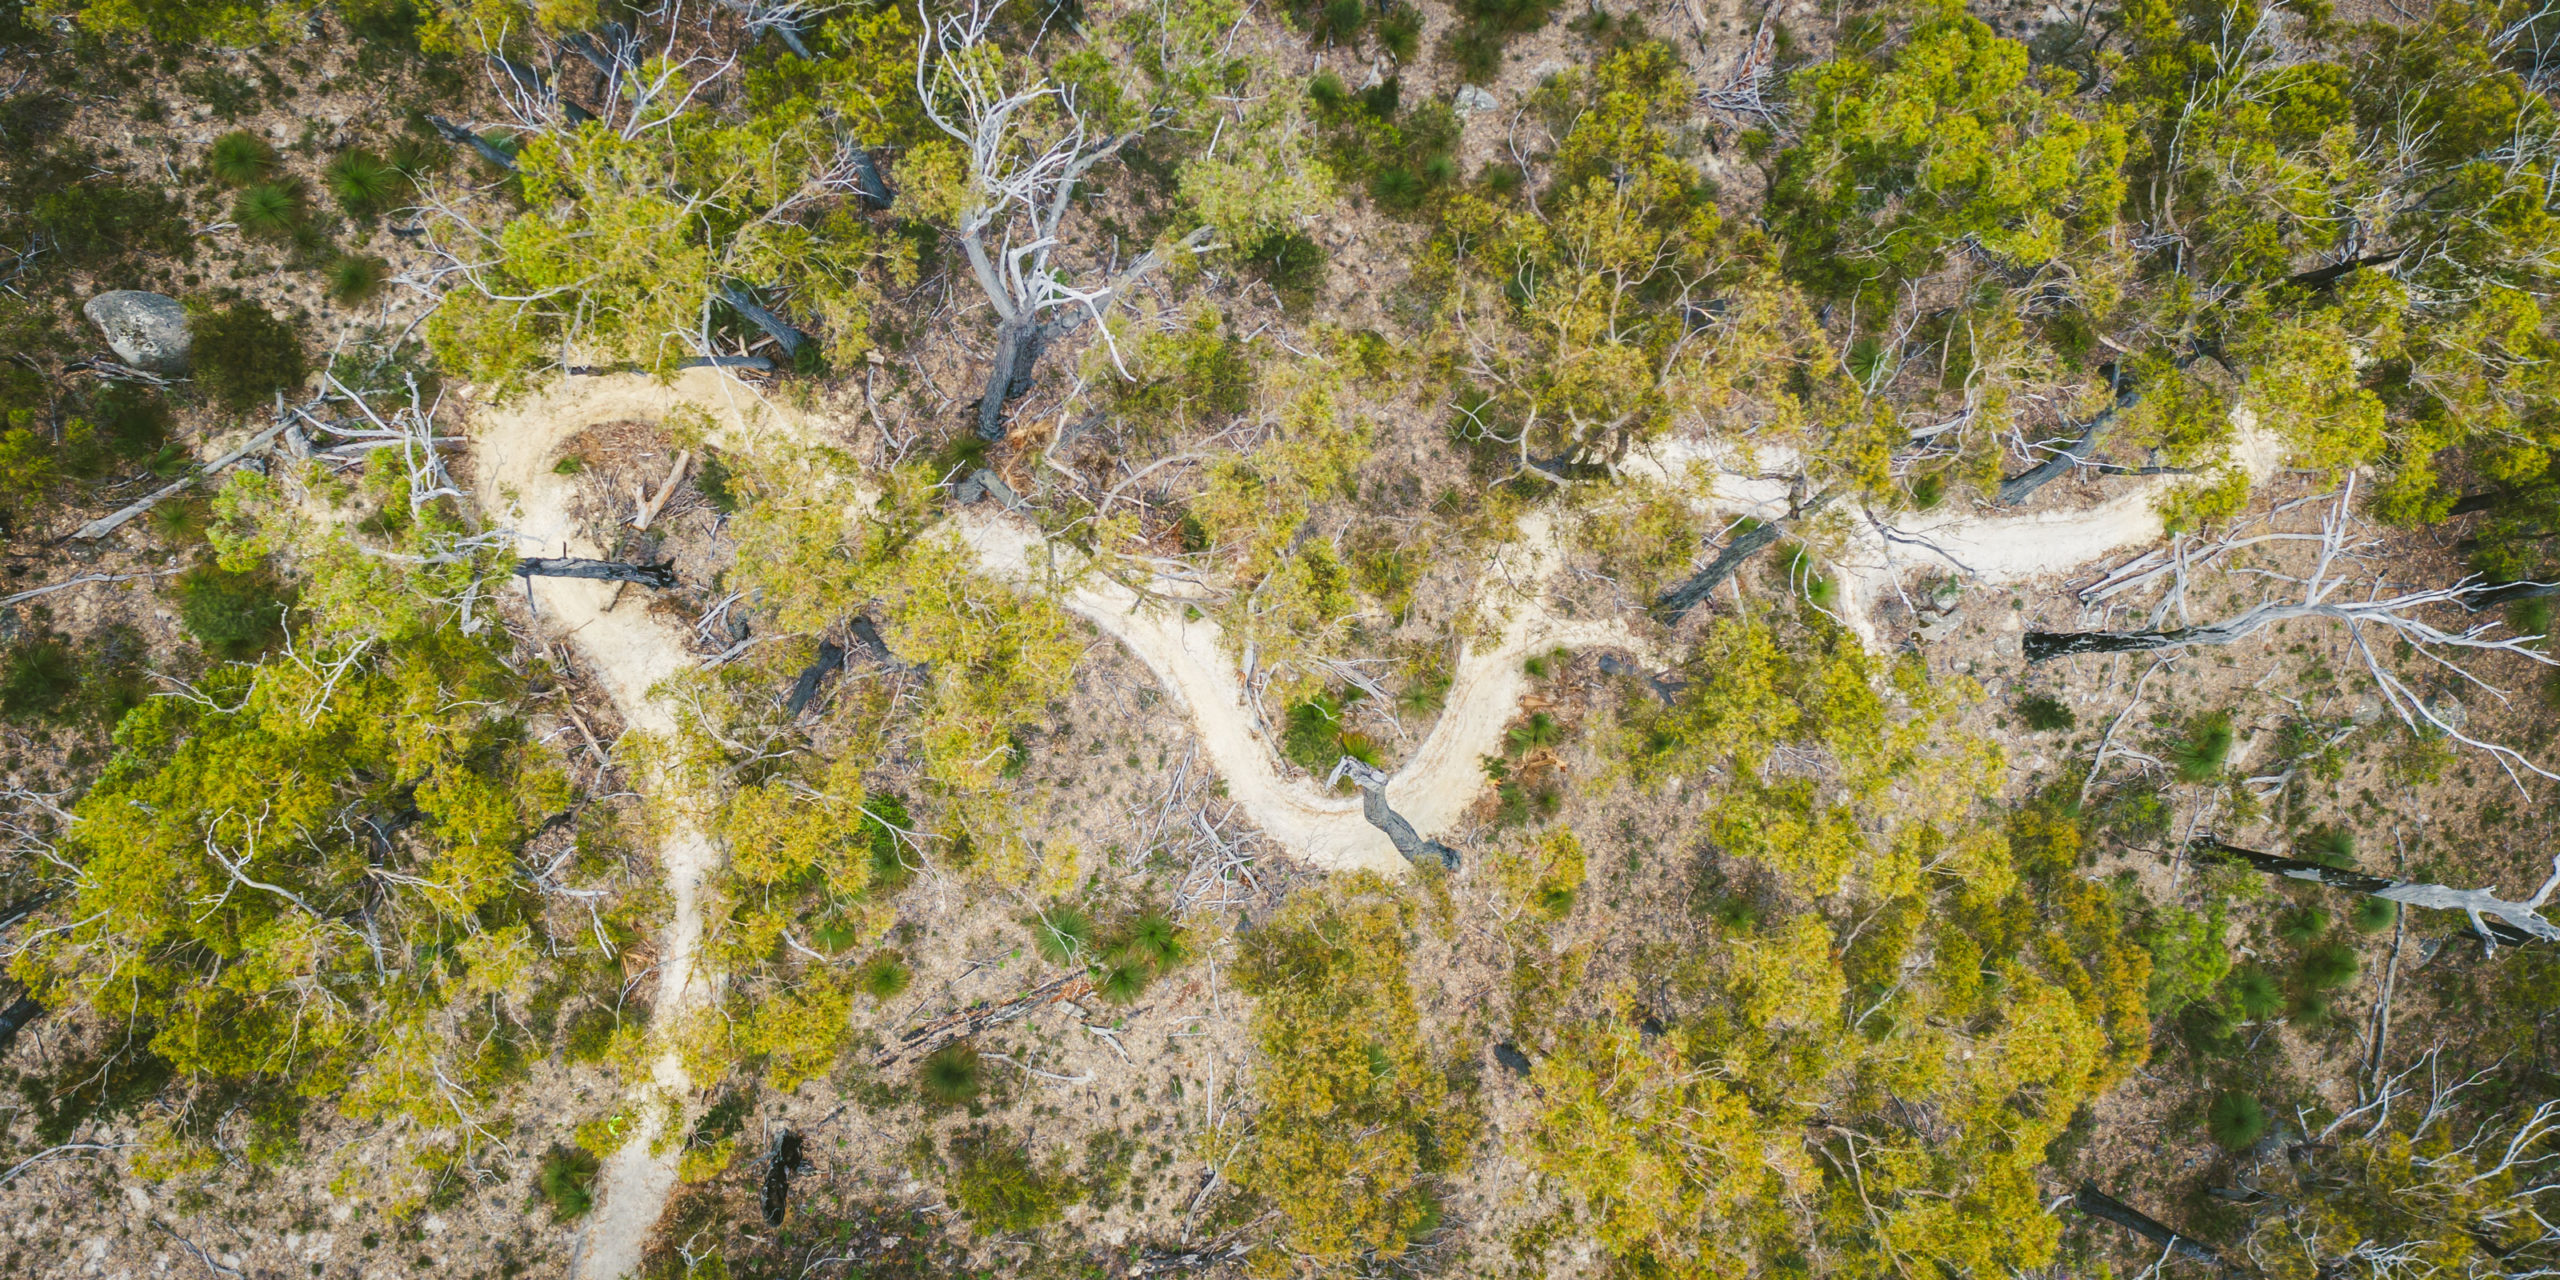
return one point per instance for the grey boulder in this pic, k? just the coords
(147, 330)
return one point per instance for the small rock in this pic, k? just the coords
(2366, 710)
(147, 330)
(2449, 713)
(1935, 627)
(1472, 99)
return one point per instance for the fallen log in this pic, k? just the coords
(1673, 605)
(779, 1166)
(17, 1016)
(830, 660)
(104, 525)
(966, 1022)
(1373, 806)
(460, 136)
(647, 575)
(2106, 1208)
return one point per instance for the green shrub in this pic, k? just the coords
(364, 183)
(2256, 994)
(2330, 967)
(2188, 958)
(2303, 925)
(1154, 940)
(1122, 983)
(2235, 1120)
(589, 1034)
(241, 158)
(889, 869)
(269, 211)
(1314, 737)
(233, 615)
(1400, 32)
(243, 355)
(40, 680)
(1063, 934)
(2331, 846)
(2200, 755)
(2373, 915)
(2045, 713)
(97, 224)
(356, 278)
(566, 1180)
(1538, 731)
(1474, 45)
(953, 1074)
(884, 976)
(1002, 1190)
(1292, 263)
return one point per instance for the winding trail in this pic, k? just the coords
(629, 651)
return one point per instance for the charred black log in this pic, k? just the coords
(2041, 646)
(2507, 593)
(16, 1017)
(867, 635)
(868, 184)
(756, 313)
(2498, 920)
(460, 136)
(830, 661)
(646, 575)
(779, 1167)
(2018, 488)
(1019, 346)
(2323, 277)
(1373, 806)
(2106, 1208)
(1673, 605)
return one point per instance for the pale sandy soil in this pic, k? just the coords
(631, 651)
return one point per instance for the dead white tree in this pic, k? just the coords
(2494, 918)
(2324, 594)
(1028, 145)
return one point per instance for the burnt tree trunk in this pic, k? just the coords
(757, 314)
(1373, 806)
(2509, 593)
(2018, 488)
(2513, 923)
(646, 575)
(488, 150)
(785, 1161)
(868, 184)
(16, 1017)
(1019, 346)
(2106, 1208)
(830, 660)
(1675, 604)
(2041, 646)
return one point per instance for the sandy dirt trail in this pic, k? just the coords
(630, 651)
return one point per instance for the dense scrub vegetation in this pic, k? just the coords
(1679, 360)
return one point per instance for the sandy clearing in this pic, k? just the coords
(630, 651)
